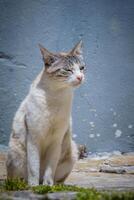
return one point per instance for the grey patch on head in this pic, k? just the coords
(49, 61)
(71, 60)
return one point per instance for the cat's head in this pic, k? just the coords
(66, 69)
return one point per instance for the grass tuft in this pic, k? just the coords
(15, 184)
(82, 193)
(42, 189)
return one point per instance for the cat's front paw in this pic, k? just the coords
(48, 180)
(33, 181)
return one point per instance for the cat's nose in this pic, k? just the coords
(79, 78)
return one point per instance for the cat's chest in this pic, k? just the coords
(58, 117)
(53, 124)
(59, 107)
(49, 114)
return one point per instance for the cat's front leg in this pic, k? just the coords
(51, 160)
(33, 162)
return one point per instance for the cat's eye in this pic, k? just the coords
(69, 70)
(82, 67)
(63, 72)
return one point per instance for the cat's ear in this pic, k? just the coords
(48, 57)
(78, 49)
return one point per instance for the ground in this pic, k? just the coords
(113, 173)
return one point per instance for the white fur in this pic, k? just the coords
(72, 80)
(41, 147)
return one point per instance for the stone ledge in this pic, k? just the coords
(86, 172)
(26, 195)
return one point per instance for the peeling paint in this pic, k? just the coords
(114, 125)
(91, 135)
(130, 126)
(118, 133)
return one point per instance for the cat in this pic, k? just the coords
(41, 149)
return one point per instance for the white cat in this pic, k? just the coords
(41, 149)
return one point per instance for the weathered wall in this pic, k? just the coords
(103, 111)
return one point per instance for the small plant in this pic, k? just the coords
(118, 195)
(89, 195)
(15, 184)
(42, 189)
(82, 193)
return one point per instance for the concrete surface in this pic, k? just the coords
(86, 172)
(28, 195)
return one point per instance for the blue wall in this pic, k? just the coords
(103, 111)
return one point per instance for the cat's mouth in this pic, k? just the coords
(76, 83)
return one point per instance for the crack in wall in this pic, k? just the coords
(11, 59)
